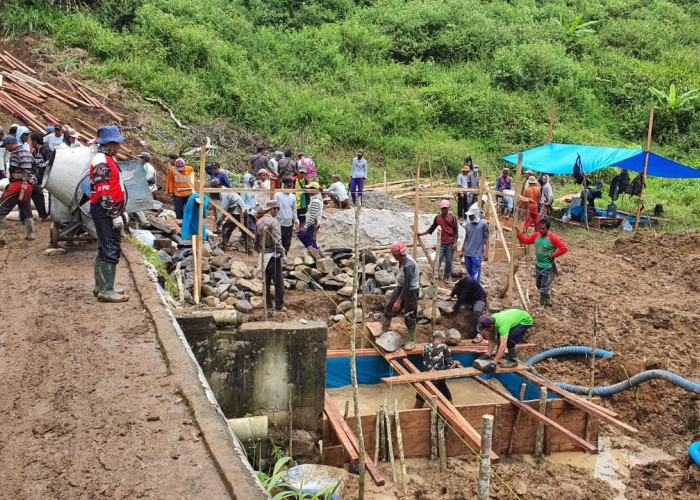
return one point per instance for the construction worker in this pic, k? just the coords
(462, 198)
(448, 238)
(179, 183)
(308, 232)
(504, 182)
(504, 330)
(234, 205)
(272, 253)
(107, 206)
(287, 215)
(468, 292)
(358, 176)
(437, 356)
(476, 243)
(531, 207)
(19, 191)
(548, 247)
(405, 296)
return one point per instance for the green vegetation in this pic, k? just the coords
(152, 258)
(273, 482)
(453, 77)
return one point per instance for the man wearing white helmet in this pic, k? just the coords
(448, 238)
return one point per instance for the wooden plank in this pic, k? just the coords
(446, 374)
(467, 348)
(457, 422)
(422, 246)
(546, 420)
(334, 419)
(374, 473)
(578, 402)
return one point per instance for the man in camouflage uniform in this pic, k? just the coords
(437, 356)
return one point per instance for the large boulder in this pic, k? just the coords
(254, 286)
(383, 278)
(219, 261)
(325, 265)
(239, 270)
(345, 291)
(344, 306)
(390, 341)
(244, 306)
(452, 337)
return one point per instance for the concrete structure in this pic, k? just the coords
(249, 370)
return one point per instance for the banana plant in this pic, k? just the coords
(575, 26)
(672, 100)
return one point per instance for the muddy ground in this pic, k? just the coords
(88, 409)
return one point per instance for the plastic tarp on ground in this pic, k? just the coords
(560, 159)
(370, 370)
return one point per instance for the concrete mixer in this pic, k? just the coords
(67, 180)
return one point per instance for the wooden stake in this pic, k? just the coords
(644, 172)
(551, 123)
(390, 443)
(196, 289)
(290, 388)
(347, 410)
(399, 441)
(364, 301)
(415, 211)
(518, 412)
(353, 364)
(200, 223)
(485, 458)
(382, 437)
(423, 247)
(442, 453)
(433, 428)
(482, 189)
(264, 274)
(587, 433)
(539, 437)
(436, 273)
(377, 435)
(386, 187)
(514, 232)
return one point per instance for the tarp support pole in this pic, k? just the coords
(644, 172)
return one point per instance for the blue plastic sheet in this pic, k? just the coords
(560, 159)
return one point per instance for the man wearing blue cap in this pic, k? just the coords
(19, 191)
(107, 206)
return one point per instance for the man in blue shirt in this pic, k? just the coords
(214, 170)
(358, 175)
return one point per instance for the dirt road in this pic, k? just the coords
(88, 409)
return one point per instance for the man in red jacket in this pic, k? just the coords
(547, 248)
(107, 207)
(448, 238)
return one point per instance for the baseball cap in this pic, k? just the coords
(485, 322)
(336, 176)
(145, 155)
(215, 164)
(180, 164)
(302, 170)
(215, 182)
(439, 334)
(445, 204)
(9, 139)
(270, 204)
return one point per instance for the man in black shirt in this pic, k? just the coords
(468, 292)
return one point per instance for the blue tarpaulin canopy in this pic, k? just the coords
(560, 159)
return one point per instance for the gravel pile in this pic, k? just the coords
(378, 200)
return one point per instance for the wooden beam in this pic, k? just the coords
(335, 419)
(415, 211)
(584, 445)
(457, 422)
(422, 246)
(369, 464)
(447, 374)
(514, 234)
(644, 172)
(459, 349)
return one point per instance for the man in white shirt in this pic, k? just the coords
(55, 139)
(338, 193)
(358, 175)
(287, 215)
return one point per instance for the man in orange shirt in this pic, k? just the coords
(180, 182)
(531, 208)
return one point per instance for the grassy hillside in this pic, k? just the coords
(455, 77)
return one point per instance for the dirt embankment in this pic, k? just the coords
(88, 408)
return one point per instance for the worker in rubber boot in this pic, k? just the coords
(437, 356)
(504, 330)
(107, 206)
(468, 292)
(547, 248)
(405, 296)
(18, 192)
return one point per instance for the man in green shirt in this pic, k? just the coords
(504, 329)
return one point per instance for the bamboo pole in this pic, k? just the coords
(423, 247)
(485, 458)
(551, 122)
(290, 387)
(482, 188)
(442, 451)
(539, 437)
(433, 428)
(587, 433)
(415, 212)
(347, 410)
(518, 412)
(514, 232)
(195, 274)
(646, 164)
(399, 441)
(436, 272)
(377, 435)
(386, 188)
(382, 436)
(264, 274)
(200, 222)
(364, 300)
(353, 364)
(390, 444)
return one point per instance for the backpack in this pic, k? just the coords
(578, 170)
(637, 185)
(614, 191)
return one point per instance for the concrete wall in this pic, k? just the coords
(249, 370)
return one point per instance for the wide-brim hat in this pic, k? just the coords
(270, 204)
(313, 185)
(109, 133)
(466, 168)
(531, 180)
